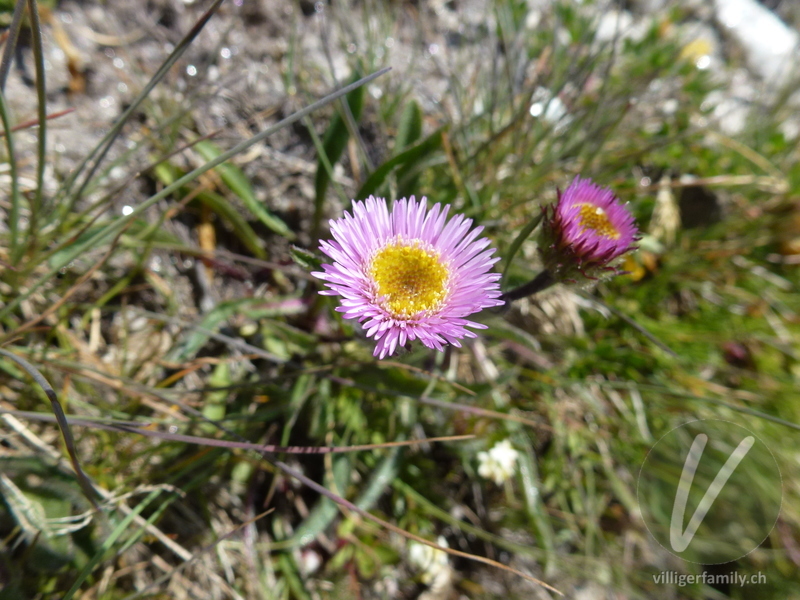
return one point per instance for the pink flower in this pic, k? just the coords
(586, 230)
(408, 274)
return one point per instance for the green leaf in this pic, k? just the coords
(305, 258)
(410, 128)
(325, 510)
(240, 226)
(237, 182)
(215, 403)
(409, 131)
(290, 572)
(407, 159)
(334, 143)
(168, 173)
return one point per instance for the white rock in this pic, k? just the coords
(770, 45)
(613, 24)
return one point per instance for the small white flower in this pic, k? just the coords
(432, 563)
(309, 561)
(499, 463)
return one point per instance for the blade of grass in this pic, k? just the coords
(292, 577)
(238, 183)
(330, 150)
(350, 119)
(528, 476)
(409, 133)
(11, 42)
(324, 171)
(122, 222)
(138, 428)
(60, 418)
(86, 421)
(16, 199)
(324, 511)
(410, 128)
(407, 158)
(167, 173)
(220, 205)
(37, 206)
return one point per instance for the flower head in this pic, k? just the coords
(585, 231)
(498, 463)
(408, 273)
(432, 563)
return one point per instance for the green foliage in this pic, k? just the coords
(237, 182)
(405, 162)
(333, 144)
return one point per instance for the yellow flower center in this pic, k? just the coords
(410, 278)
(595, 218)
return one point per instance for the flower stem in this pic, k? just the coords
(541, 282)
